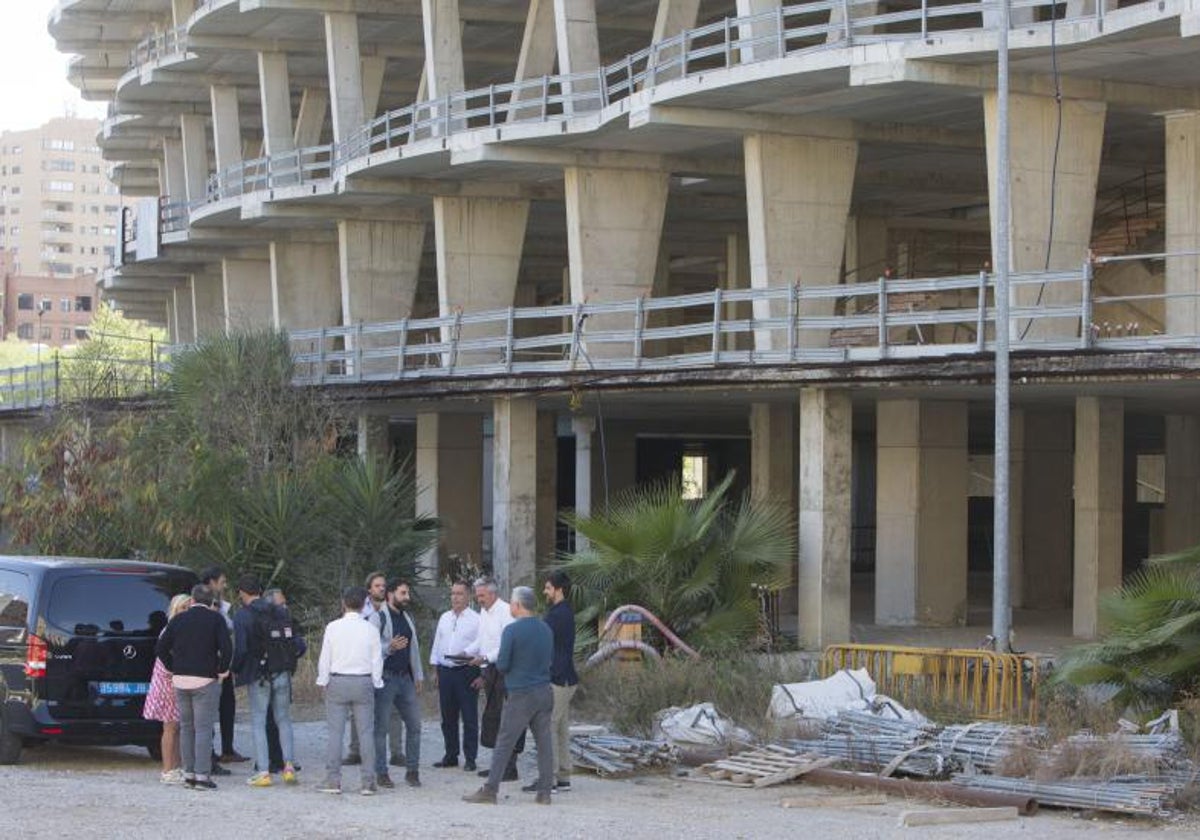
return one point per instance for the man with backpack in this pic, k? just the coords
(266, 647)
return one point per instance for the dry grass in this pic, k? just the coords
(1101, 759)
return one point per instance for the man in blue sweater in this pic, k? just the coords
(526, 651)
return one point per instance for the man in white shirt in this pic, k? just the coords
(494, 616)
(457, 629)
(350, 669)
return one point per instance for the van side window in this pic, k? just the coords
(14, 599)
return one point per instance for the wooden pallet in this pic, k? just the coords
(769, 765)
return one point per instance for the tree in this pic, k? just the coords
(118, 359)
(691, 563)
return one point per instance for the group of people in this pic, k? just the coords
(370, 667)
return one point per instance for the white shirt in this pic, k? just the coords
(491, 624)
(350, 647)
(455, 632)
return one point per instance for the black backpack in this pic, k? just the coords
(275, 640)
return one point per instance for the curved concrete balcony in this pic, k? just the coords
(297, 174)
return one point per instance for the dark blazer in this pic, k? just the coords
(196, 643)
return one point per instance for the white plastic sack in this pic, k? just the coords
(822, 699)
(701, 725)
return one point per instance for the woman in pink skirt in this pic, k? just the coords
(160, 705)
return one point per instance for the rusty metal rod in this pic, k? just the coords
(1026, 806)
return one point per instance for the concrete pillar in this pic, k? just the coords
(547, 488)
(194, 131)
(760, 39)
(798, 198)
(181, 10)
(583, 428)
(227, 126)
(373, 69)
(305, 285)
(614, 227)
(921, 513)
(345, 73)
(673, 18)
(247, 291)
(1034, 122)
(578, 39)
(825, 499)
(184, 316)
(773, 470)
(1046, 510)
(172, 180)
(1099, 473)
(450, 485)
(1181, 528)
(310, 121)
(1183, 221)
(444, 72)
(372, 439)
(539, 48)
(479, 243)
(276, 97)
(208, 305)
(514, 491)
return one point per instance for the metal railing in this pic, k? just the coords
(172, 215)
(68, 379)
(294, 168)
(158, 46)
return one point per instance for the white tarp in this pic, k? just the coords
(822, 699)
(701, 725)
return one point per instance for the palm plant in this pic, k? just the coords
(1150, 652)
(691, 563)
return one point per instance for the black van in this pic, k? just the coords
(77, 649)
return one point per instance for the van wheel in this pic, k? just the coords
(10, 744)
(155, 750)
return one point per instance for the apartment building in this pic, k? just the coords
(557, 249)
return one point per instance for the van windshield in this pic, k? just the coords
(117, 604)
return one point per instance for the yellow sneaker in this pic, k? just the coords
(259, 780)
(289, 774)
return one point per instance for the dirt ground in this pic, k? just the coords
(86, 792)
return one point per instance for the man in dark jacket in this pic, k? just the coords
(563, 678)
(266, 688)
(195, 647)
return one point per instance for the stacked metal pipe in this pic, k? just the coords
(611, 755)
(878, 743)
(980, 747)
(1161, 748)
(1126, 795)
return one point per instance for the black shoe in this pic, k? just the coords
(530, 788)
(469, 766)
(398, 760)
(483, 773)
(510, 774)
(412, 778)
(446, 762)
(218, 770)
(562, 787)
(202, 784)
(353, 758)
(274, 768)
(384, 781)
(233, 757)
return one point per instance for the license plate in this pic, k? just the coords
(110, 689)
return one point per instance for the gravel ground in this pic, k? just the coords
(89, 792)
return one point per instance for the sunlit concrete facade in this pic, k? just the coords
(309, 164)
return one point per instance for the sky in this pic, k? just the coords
(33, 74)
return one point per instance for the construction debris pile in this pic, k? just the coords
(615, 755)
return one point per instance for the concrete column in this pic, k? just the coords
(345, 73)
(247, 291)
(1183, 221)
(372, 439)
(547, 488)
(172, 180)
(378, 265)
(1046, 510)
(798, 198)
(305, 284)
(1034, 122)
(444, 72)
(310, 121)
(275, 94)
(773, 469)
(921, 513)
(1099, 473)
(227, 126)
(578, 39)
(614, 226)
(479, 243)
(1181, 528)
(185, 323)
(539, 48)
(760, 39)
(825, 499)
(583, 428)
(373, 69)
(673, 18)
(181, 10)
(208, 305)
(514, 491)
(194, 130)
(450, 485)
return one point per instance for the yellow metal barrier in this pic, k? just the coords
(994, 686)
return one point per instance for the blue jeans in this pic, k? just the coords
(273, 692)
(400, 691)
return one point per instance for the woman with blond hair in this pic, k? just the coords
(160, 706)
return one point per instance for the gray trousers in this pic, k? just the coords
(347, 696)
(197, 716)
(525, 708)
